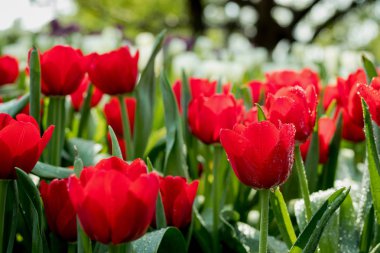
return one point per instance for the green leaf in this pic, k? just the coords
(329, 169)
(85, 111)
(242, 238)
(370, 69)
(78, 164)
(312, 160)
(15, 214)
(176, 165)
(260, 113)
(201, 233)
(116, 150)
(31, 205)
(160, 213)
(367, 233)
(48, 171)
(348, 232)
(372, 160)
(308, 240)
(14, 106)
(145, 96)
(83, 243)
(282, 217)
(165, 240)
(87, 150)
(376, 249)
(35, 85)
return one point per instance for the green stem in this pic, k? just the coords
(216, 170)
(264, 202)
(71, 248)
(56, 116)
(85, 111)
(303, 182)
(121, 248)
(3, 200)
(35, 86)
(126, 129)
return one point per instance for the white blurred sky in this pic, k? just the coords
(32, 14)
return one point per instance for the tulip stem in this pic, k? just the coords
(126, 129)
(215, 171)
(3, 200)
(264, 202)
(303, 182)
(71, 248)
(121, 248)
(56, 116)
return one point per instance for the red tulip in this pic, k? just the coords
(208, 115)
(20, 144)
(198, 87)
(178, 198)
(257, 89)
(294, 105)
(371, 95)
(78, 96)
(112, 112)
(115, 72)
(260, 154)
(8, 69)
(285, 78)
(326, 130)
(115, 201)
(60, 213)
(348, 101)
(62, 70)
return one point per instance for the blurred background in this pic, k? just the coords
(234, 40)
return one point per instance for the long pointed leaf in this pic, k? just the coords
(14, 106)
(369, 68)
(145, 95)
(372, 160)
(308, 240)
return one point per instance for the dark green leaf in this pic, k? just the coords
(14, 106)
(348, 232)
(48, 171)
(14, 218)
(160, 213)
(367, 233)
(312, 160)
(308, 240)
(83, 242)
(145, 96)
(87, 150)
(85, 111)
(165, 240)
(369, 68)
(35, 85)
(176, 165)
(30, 203)
(282, 217)
(372, 160)
(329, 169)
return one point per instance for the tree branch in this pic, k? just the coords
(338, 14)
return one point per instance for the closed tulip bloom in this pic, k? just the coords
(112, 111)
(257, 90)
(198, 87)
(208, 115)
(60, 213)
(260, 154)
(296, 106)
(326, 130)
(115, 72)
(62, 70)
(78, 96)
(287, 78)
(115, 201)
(20, 144)
(371, 95)
(178, 198)
(8, 69)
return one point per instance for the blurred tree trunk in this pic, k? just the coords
(196, 16)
